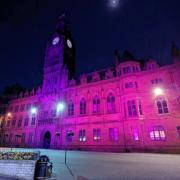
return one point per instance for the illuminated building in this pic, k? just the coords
(133, 106)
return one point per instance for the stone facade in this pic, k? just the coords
(134, 106)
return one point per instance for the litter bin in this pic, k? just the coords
(42, 167)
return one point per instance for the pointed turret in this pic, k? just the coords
(127, 55)
(175, 53)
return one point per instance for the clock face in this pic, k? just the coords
(55, 40)
(69, 43)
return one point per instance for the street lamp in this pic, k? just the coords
(33, 110)
(60, 107)
(158, 91)
(9, 115)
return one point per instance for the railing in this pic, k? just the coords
(47, 121)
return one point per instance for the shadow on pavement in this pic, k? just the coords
(81, 178)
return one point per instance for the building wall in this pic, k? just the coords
(131, 132)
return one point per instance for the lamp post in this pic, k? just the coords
(33, 112)
(60, 109)
(9, 117)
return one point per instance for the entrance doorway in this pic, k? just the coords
(47, 140)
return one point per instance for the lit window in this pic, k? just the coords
(136, 134)
(96, 104)
(111, 103)
(157, 133)
(162, 106)
(83, 106)
(113, 134)
(96, 134)
(71, 109)
(82, 135)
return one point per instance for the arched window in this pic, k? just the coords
(110, 103)
(70, 108)
(131, 105)
(162, 106)
(96, 104)
(83, 106)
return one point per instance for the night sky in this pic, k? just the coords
(145, 27)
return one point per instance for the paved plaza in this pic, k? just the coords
(114, 166)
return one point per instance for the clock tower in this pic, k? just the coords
(59, 66)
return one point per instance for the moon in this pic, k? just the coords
(113, 3)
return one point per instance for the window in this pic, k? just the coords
(8, 123)
(126, 70)
(96, 104)
(129, 85)
(136, 134)
(157, 133)
(22, 107)
(19, 122)
(96, 134)
(131, 105)
(110, 103)
(70, 108)
(33, 120)
(26, 121)
(135, 69)
(156, 81)
(162, 106)
(113, 134)
(82, 135)
(16, 108)
(23, 138)
(178, 131)
(16, 138)
(140, 107)
(10, 138)
(30, 138)
(28, 106)
(14, 122)
(53, 113)
(83, 106)
(69, 135)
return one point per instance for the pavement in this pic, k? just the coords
(113, 166)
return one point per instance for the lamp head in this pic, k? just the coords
(158, 91)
